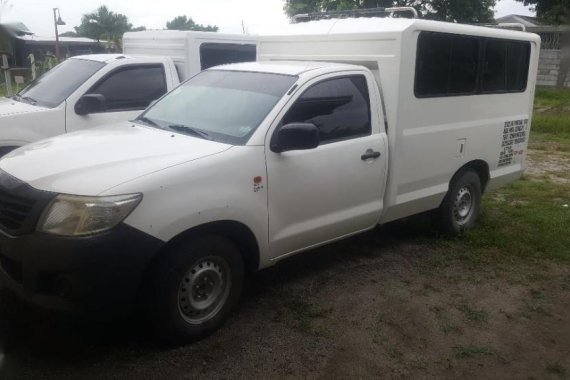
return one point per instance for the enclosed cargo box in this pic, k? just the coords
(191, 51)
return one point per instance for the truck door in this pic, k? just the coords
(336, 189)
(126, 91)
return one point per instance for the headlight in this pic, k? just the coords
(71, 215)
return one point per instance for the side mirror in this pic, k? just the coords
(90, 103)
(295, 136)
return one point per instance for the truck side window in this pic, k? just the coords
(214, 54)
(446, 65)
(505, 66)
(456, 65)
(339, 107)
(132, 88)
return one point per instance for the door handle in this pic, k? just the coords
(370, 154)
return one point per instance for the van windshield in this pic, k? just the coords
(53, 87)
(224, 106)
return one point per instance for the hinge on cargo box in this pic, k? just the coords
(370, 12)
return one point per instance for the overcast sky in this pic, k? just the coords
(227, 14)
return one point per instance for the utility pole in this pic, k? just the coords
(57, 21)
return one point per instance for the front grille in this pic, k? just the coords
(20, 205)
(14, 210)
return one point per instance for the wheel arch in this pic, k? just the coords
(478, 166)
(237, 232)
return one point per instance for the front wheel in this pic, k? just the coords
(462, 204)
(194, 289)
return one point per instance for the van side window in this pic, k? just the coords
(132, 88)
(505, 66)
(446, 65)
(214, 54)
(339, 107)
(455, 65)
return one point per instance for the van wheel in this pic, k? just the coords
(462, 204)
(195, 288)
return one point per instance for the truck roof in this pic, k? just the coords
(379, 25)
(285, 67)
(105, 58)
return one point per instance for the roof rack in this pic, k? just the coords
(507, 25)
(355, 13)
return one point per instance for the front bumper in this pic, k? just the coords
(95, 274)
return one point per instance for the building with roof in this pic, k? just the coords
(527, 21)
(18, 42)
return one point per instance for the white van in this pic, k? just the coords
(92, 90)
(342, 125)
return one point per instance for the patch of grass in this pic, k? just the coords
(537, 304)
(556, 369)
(378, 333)
(447, 326)
(463, 352)
(471, 314)
(445, 323)
(551, 120)
(394, 353)
(418, 364)
(551, 124)
(305, 316)
(531, 222)
(549, 97)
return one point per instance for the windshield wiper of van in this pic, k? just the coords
(25, 99)
(147, 121)
(190, 130)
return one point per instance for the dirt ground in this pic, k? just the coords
(386, 304)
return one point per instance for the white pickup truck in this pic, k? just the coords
(247, 164)
(91, 90)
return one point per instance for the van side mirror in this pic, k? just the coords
(295, 136)
(90, 103)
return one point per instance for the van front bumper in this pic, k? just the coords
(98, 274)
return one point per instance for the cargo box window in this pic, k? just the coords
(446, 65)
(505, 66)
(339, 107)
(214, 54)
(456, 65)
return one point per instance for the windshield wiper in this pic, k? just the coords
(190, 130)
(25, 99)
(147, 121)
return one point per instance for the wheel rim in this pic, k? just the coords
(463, 205)
(204, 290)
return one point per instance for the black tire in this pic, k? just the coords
(173, 303)
(462, 204)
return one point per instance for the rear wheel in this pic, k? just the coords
(462, 204)
(195, 288)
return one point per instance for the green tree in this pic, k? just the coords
(555, 11)
(104, 24)
(466, 11)
(68, 34)
(186, 23)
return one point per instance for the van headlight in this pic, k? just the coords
(72, 215)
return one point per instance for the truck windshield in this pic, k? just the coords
(52, 88)
(225, 106)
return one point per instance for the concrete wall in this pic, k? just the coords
(549, 68)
